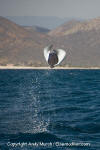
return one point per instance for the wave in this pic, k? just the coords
(28, 137)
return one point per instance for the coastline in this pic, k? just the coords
(45, 68)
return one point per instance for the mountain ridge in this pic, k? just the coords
(76, 26)
(18, 45)
(21, 46)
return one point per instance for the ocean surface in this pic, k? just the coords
(50, 109)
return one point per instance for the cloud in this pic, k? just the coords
(60, 8)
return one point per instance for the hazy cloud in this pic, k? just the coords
(60, 8)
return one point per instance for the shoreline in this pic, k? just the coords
(45, 68)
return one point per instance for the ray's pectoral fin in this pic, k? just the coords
(46, 53)
(55, 57)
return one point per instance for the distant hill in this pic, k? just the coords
(20, 46)
(66, 27)
(74, 26)
(83, 38)
(24, 45)
(49, 22)
(37, 28)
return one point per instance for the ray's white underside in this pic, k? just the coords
(60, 53)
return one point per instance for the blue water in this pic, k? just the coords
(50, 108)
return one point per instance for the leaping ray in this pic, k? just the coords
(54, 57)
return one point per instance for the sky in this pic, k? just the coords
(84, 9)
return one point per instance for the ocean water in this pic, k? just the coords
(50, 109)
